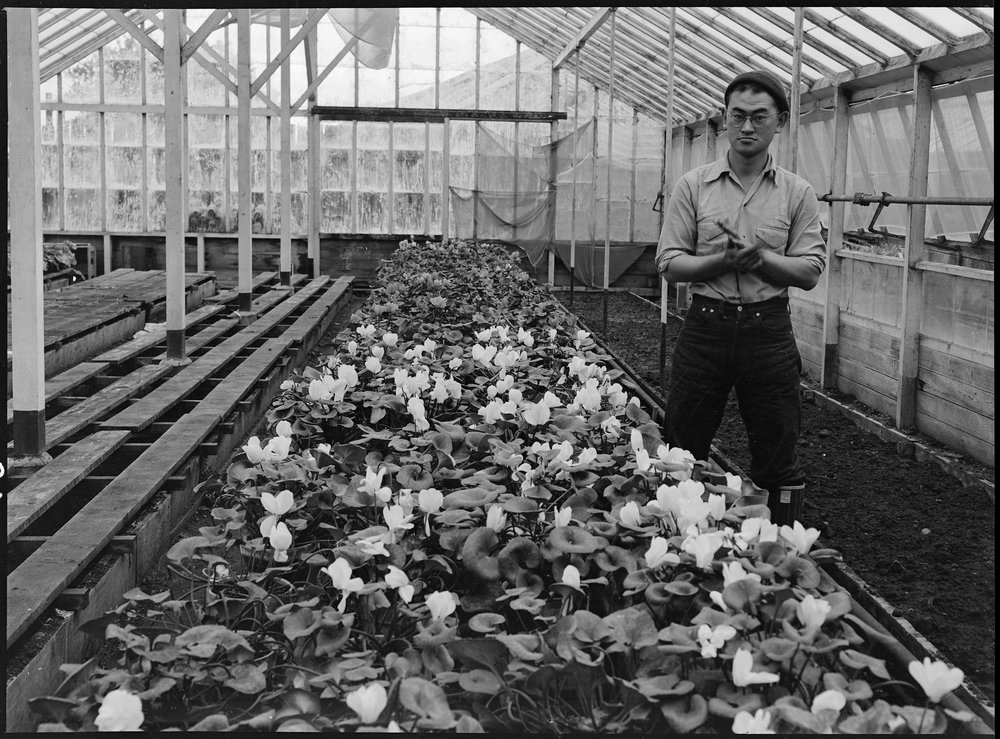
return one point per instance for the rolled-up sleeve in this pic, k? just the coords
(805, 236)
(679, 234)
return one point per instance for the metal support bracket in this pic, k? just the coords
(658, 203)
(986, 224)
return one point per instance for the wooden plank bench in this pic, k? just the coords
(224, 397)
(224, 296)
(40, 579)
(151, 338)
(62, 383)
(73, 420)
(315, 312)
(47, 486)
(147, 409)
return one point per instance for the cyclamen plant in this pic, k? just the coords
(464, 521)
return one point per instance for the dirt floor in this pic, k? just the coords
(917, 536)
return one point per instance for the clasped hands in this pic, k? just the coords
(738, 254)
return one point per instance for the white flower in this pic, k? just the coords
(743, 674)
(936, 678)
(712, 640)
(812, 611)
(374, 545)
(716, 506)
(537, 414)
(373, 484)
(255, 453)
(378, 352)
(496, 519)
(368, 701)
(280, 538)
(454, 363)
(758, 723)
(525, 338)
(734, 482)
(396, 518)
(278, 447)
(611, 427)
(799, 537)
(283, 428)
(340, 572)
(318, 390)
(415, 407)
(829, 700)
(629, 514)
(703, 547)
(352, 347)
(390, 338)
(276, 505)
(441, 604)
(373, 365)
(491, 412)
(571, 576)
(398, 580)
(734, 572)
(562, 517)
(367, 331)
(659, 553)
(120, 710)
(484, 335)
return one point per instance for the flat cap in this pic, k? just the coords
(764, 80)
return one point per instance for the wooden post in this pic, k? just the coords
(517, 131)
(607, 202)
(631, 184)
(445, 179)
(553, 175)
(710, 140)
(175, 161)
(315, 165)
(25, 173)
(834, 238)
(475, 139)
(285, 258)
(576, 143)
(668, 170)
(107, 252)
(796, 100)
(200, 268)
(244, 156)
(906, 396)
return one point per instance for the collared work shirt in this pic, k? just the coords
(780, 209)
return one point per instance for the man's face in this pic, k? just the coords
(749, 139)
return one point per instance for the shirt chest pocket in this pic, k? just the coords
(774, 233)
(711, 238)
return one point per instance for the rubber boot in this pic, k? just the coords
(786, 506)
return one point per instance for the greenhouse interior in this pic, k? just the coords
(233, 234)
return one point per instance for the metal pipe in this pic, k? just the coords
(861, 198)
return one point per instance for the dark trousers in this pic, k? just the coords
(721, 347)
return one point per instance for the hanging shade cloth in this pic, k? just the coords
(526, 214)
(374, 28)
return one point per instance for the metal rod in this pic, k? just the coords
(869, 199)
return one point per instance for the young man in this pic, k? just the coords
(742, 230)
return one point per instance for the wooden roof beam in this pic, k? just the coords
(785, 44)
(216, 19)
(909, 48)
(925, 24)
(582, 35)
(976, 16)
(137, 33)
(823, 48)
(315, 16)
(741, 44)
(834, 30)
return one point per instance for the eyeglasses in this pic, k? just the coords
(736, 120)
